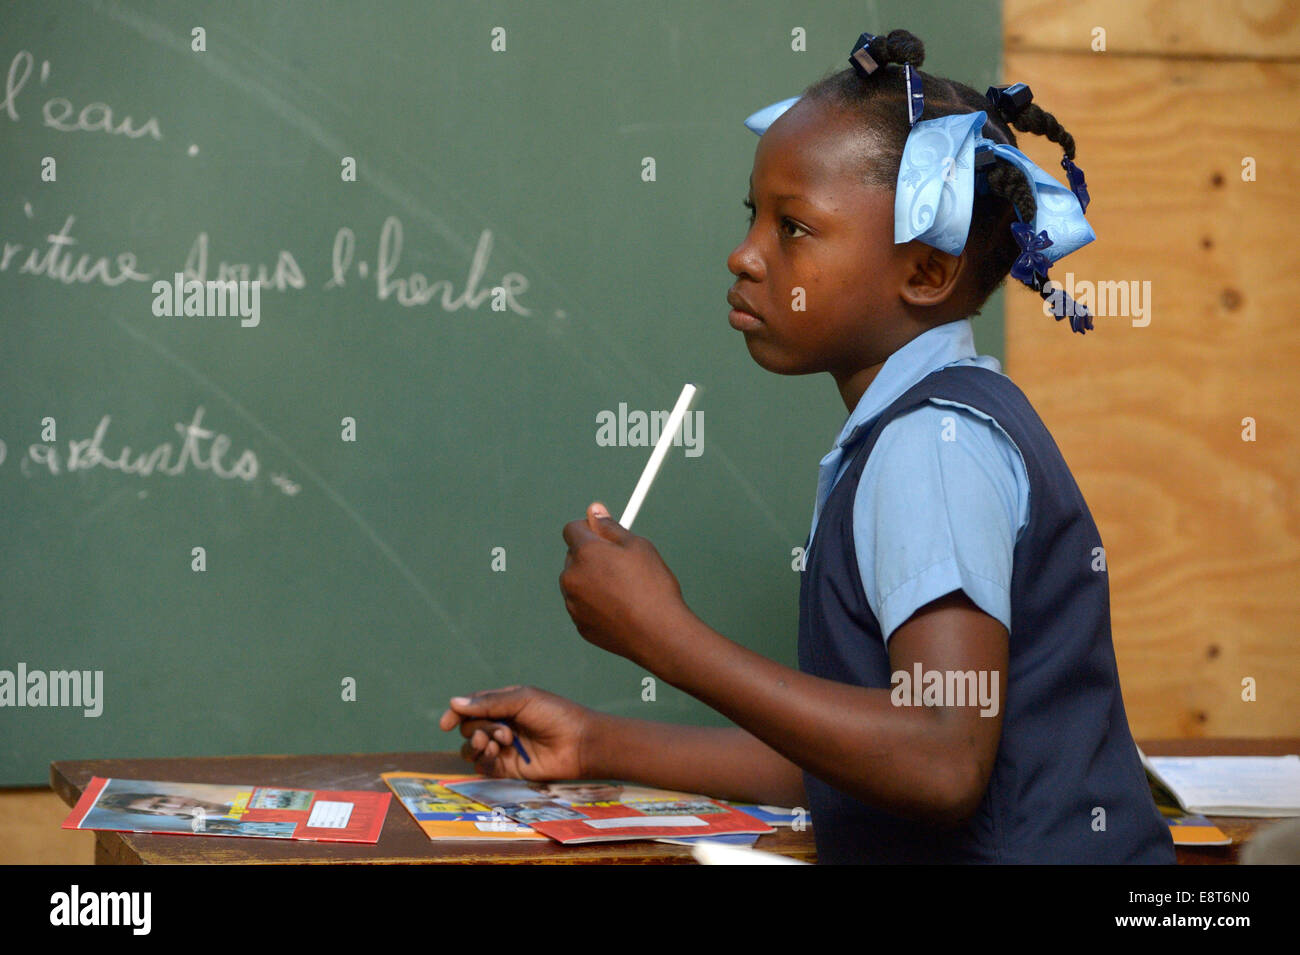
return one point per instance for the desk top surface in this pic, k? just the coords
(402, 841)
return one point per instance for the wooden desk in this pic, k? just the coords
(402, 841)
(1240, 829)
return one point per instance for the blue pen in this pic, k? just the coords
(514, 741)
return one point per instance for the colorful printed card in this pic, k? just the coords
(206, 809)
(776, 815)
(444, 814)
(576, 811)
(1196, 831)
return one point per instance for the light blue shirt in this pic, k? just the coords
(944, 495)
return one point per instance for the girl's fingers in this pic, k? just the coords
(486, 704)
(486, 743)
(496, 730)
(482, 752)
(479, 740)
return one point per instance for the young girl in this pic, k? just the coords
(957, 698)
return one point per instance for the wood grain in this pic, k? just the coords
(1250, 29)
(1201, 528)
(30, 833)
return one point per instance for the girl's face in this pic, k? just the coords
(818, 228)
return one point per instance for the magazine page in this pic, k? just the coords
(733, 839)
(1193, 830)
(445, 814)
(778, 816)
(574, 811)
(235, 809)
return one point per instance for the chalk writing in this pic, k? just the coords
(164, 459)
(416, 288)
(59, 113)
(285, 275)
(56, 262)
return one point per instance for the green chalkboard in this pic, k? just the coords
(497, 274)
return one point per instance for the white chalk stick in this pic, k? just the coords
(657, 456)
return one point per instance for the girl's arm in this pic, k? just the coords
(928, 763)
(566, 740)
(726, 762)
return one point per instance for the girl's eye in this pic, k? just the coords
(784, 222)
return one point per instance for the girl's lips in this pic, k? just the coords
(743, 321)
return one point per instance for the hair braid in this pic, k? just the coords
(879, 101)
(899, 47)
(1007, 180)
(1034, 119)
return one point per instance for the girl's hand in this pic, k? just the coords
(550, 728)
(618, 590)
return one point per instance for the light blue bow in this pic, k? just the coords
(765, 117)
(936, 184)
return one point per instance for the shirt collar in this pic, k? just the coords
(927, 352)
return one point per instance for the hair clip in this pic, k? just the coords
(915, 99)
(1063, 305)
(863, 62)
(1011, 100)
(985, 159)
(1080, 319)
(1078, 185)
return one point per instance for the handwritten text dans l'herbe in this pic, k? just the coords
(58, 262)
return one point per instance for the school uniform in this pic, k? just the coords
(944, 478)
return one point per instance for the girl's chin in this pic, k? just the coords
(770, 358)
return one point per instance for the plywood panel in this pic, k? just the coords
(1253, 29)
(1202, 529)
(30, 833)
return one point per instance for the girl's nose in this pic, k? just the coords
(744, 260)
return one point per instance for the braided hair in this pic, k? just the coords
(879, 102)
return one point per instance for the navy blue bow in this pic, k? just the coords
(1031, 261)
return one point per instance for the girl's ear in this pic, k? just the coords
(933, 275)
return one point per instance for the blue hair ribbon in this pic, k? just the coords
(942, 170)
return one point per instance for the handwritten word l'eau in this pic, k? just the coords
(59, 113)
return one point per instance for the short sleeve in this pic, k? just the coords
(942, 500)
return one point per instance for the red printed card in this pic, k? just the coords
(207, 809)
